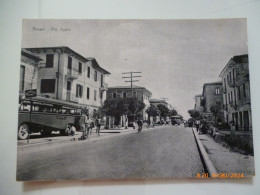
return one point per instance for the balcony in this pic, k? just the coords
(233, 105)
(232, 83)
(72, 74)
(104, 87)
(71, 97)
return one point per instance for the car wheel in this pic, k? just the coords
(23, 132)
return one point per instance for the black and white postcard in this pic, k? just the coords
(134, 99)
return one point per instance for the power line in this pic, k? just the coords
(130, 75)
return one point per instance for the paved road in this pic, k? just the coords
(163, 152)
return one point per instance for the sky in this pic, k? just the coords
(175, 57)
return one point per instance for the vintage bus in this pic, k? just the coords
(44, 115)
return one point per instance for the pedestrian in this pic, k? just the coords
(140, 125)
(197, 124)
(98, 125)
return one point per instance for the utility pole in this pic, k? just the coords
(130, 75)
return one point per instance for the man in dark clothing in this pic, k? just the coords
(140, 125)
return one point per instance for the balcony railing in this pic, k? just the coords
(232, 83)
(224, 90)
(71, 97)
(244, 101)
(104, 86)
(233, 104)
(72, 74)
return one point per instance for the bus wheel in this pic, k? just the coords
(23, 132)
(45, 133)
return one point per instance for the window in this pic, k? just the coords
(124, 94)
(135, 94)
(114, 95)
(69, 63)
(101, 80)
(68, 85)
(229, 98)
(217, 92)
(79, 90)
(48, 85)
(80, 68)
(244, 89)
(101, 95)
(88, 93)
(95, 76)
(95, 95)
(49, 60)
(225, 85)
(22, 75)
(88, 72)
(25, 107)
(239, 92)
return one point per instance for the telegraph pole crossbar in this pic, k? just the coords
(131, 76)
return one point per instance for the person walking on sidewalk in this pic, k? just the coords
(98, 125)
(197, 124)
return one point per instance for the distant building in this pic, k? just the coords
(156, 102)
(29, 65)
(236, 92)
(212, 95)
(141, 93)
(198, 101)
(71, 77)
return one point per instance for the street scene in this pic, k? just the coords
(157, 99)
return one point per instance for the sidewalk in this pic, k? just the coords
(226, 161)
(55, 137)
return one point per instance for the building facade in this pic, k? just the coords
(156, 102)
(29, 66)
(198, 102)
(212, 95)
(236, 92)
(71, 77)
(141, 93)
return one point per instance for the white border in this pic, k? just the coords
(11, 14)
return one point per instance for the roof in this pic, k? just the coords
(65, 49)
(53, 101)
(96, 65)
(129, 87)
(29, 54)
(232, 62)
(157, 100)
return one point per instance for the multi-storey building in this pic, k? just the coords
(156, 102)
(236, 92)
(198, 101)
(141, 93)
(212, 95)
(71, 77)
(29, 65)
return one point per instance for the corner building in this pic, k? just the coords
(71, 77)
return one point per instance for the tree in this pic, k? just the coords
(163, 110)
(195, 114)
(152, 111)
(123, 106)
(173, 112)
(215, 110)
